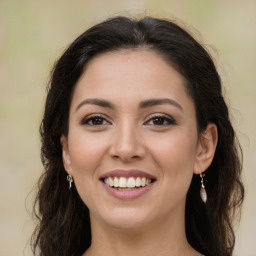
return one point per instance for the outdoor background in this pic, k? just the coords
(34, 33)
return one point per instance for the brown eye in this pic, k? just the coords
(158, 121)
(94, 121)
(161, 121)
(97, 121)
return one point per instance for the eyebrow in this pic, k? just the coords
(98, 102)
(143, 104)
(154, 102)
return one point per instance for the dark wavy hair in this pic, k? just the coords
(63, 219)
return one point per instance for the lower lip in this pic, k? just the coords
(127, 194)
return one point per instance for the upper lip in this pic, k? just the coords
(127, 174)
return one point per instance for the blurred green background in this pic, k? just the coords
(34, 33)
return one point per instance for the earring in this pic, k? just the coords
(70, 180)
(202, 190)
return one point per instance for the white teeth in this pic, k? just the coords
(122, 182)
(107, 181)
(131, 182)
(116, 182)
(111, 182)
(143, 182)
(138, 182)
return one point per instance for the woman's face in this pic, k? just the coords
(132, 144)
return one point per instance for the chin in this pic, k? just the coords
(128, 219)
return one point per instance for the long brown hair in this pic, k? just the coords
(63, 219)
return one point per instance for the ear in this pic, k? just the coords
(206, 148)
(65, 154)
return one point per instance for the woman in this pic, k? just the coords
(139, 153)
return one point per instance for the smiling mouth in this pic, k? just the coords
(130, 183)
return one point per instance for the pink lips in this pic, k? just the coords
(127, 194)
(127, 173)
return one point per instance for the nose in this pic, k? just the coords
(127, 143)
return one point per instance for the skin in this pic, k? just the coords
(127, 136)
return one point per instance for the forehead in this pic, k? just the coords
(132, 74)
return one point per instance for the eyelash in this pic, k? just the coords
(165, 120)
(91, 118)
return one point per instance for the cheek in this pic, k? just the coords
(177, 147)
(176, 156)
(85, 154)
(176, 160)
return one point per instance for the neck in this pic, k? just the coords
(155, 239)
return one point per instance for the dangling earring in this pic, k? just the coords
(70, 180)
(202, 190)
